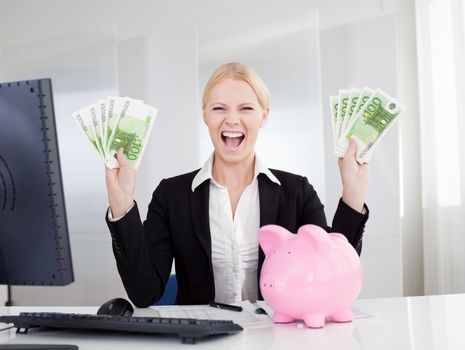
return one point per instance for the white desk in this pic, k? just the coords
(434, 322)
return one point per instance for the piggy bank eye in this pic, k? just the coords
(289, 252)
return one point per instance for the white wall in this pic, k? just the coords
(43, 19)
(410, 171)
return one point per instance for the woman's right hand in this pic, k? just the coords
(121, 185)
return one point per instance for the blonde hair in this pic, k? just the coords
(238, 71)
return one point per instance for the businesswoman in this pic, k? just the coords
(208, 220)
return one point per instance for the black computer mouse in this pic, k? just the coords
(116, 307)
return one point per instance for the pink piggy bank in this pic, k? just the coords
(309, 276)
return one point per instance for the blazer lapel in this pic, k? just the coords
(269, 207)
(199, 203)
(269, 200)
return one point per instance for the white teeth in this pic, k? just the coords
(232, 134)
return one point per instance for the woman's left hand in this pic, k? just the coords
(354, 178)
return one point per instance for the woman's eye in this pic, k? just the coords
(247, 108)
(218, 108)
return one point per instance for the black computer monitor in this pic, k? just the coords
(34, 242)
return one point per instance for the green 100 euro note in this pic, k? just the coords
(333, 107)
(114, 123)
(369, 125)
(84, 117)
(131, 131)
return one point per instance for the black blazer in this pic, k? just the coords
(177, 226)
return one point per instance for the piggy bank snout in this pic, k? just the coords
(271, 282)
(266, 281)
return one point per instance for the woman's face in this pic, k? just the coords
(233, 117)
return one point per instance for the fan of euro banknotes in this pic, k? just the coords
(117, 122)
(364, 115)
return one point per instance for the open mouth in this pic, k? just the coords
(232, 140)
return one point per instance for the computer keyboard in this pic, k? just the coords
(188, 329)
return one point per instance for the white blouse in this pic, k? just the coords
(234, 241)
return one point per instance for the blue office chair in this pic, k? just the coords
(171, 290)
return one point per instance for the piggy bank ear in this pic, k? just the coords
(270, 236)
(318, 237)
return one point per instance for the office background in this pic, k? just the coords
(163, 52)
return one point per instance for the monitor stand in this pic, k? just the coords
(8, 301)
